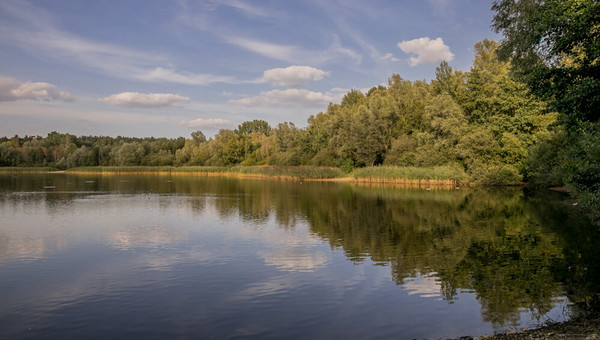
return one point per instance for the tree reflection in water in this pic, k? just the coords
(517, 249)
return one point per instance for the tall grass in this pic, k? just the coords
(26, 169)
(290, 172)
(383, 174)
(447, 174)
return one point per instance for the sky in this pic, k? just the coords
(153, 68)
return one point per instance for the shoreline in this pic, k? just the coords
(586, 327)
(367, 181)
(291, 173)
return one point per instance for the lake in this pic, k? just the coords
(92, 256)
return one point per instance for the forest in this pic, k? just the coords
(526, 111)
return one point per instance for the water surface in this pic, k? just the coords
(92, 256)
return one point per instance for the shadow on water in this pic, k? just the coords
(517, 249)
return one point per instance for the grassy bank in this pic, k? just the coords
(26, 169)
(280, 172)
(440, 175)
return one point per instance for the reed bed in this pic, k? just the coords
(412, 176)
(439, 175)
(279, 172)
(26, 169)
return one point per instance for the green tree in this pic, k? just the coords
(555, 47)
(255, 126)
(129, 154)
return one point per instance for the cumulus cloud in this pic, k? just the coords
(427, 50)
(289, 97)
(12, 90)
(293, 76)
(145, 100)
(201, 122)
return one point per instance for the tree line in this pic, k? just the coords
(484, 121)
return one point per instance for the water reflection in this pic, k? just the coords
(516, 250)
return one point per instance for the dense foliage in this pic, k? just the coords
(482, 122)
(554, 46)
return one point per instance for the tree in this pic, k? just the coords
(448, 81)
(286, 141)
(129, 154)
(555, 46)
(198, 137)
(255, 126)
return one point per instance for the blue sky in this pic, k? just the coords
(168, 68)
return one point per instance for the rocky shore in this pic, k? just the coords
(583, 328)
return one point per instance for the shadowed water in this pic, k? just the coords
(162, 257)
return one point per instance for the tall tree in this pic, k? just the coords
(555, 46)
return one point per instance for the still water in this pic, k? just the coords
(87, 256)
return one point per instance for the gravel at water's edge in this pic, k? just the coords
(579, 329)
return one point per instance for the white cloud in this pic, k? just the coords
(12, 89)
(389, 56)
(145, 100)
(427, 50)
(293, 76)
(279, 52)
(161, 74)
(289, 97)
(294, 54)
(201, 122)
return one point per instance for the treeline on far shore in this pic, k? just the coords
(483, 126)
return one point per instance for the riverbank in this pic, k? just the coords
(578, 329)
(432, 176)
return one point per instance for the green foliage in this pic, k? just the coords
(346, 165)
(581, 166)
(255, 126)
(483, 121)
(450, 172)
(554, 46)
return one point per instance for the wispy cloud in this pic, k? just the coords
(248, 9)
(389, 56)
(201, 122)
(294, 54)
(274, 51)
(12, 90)
(34, 29)
(160, 74)
(145, 100)
(428, 51)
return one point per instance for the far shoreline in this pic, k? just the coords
(386, 176)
